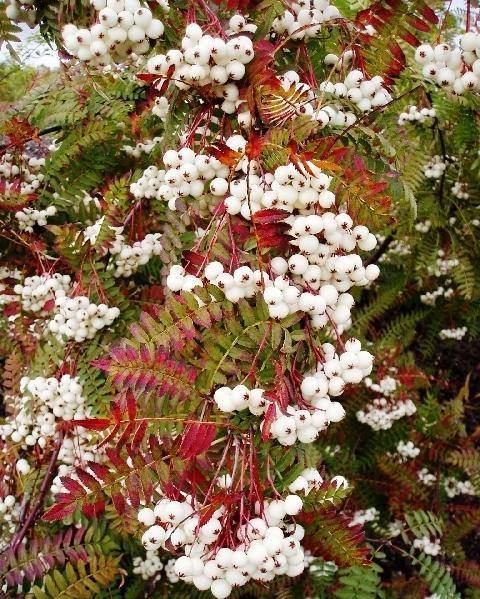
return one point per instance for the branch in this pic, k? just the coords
(41, 495)
(382, 248)
(443, 150)
(46, 131)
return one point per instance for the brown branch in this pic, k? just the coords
(29, 521)
(382, 248)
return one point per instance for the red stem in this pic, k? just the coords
(29, 521)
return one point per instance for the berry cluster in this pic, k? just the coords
(443, 266)
(309, 480)
(305, 19)
(322, 240)
(407, 450)
(459, 191)
(454, 487)
(186, 176)
(35, 413)
(426, 477)
(161, 107)
(382, 412)
(144, 147)
(429, 298)
(427, 546)
(282, 295)
(361, 517)
(36, 291)
(304, 421)
(29, 217)
(457, 68)
(7, 279)
(435, 167)
(206, 61)
(398, 247)
(385, 386)
(79, 319)
(148, 567)
(366, 94)
(339, 63)
(423, 226)
(457, 334)
(287, 188)
(240, 398)
(10, 511)
(414, 115)
(267, 546)
(20, 174)
(124, 27)
(128, 258)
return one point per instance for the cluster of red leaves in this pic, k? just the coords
(119, 480)
(382, 14)
(196, 439)
(144, 369)
(33, 561)
(17, 132)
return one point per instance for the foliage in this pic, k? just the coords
(148, 380)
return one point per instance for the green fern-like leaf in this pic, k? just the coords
(360, 583)
(437, 577)
(83, 581)
(424, 524)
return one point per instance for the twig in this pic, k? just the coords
(41, 495)
(382, 248)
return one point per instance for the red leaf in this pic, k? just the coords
(225, 154)
(268, 421)
(269, 216)
(11, 309)
(147, 77)
(119, 463)
(429, 14)
(88, 480)
(359, 164)
(254, 146)
(92, 424)
(101, 364)
(260, 70)
(194, 258)
(397, 53)
(131, 405)
(139, 433)
(410, 39)
(92, 510)
(155, 448)
(207, 514)
(124, 437)
(196, 439)
(116, 411)
(133, 489)
(47, 306)
(73, 486)
(101, 472)
(59, 511)
(112, 434)
(119, 502)
(418, 24)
